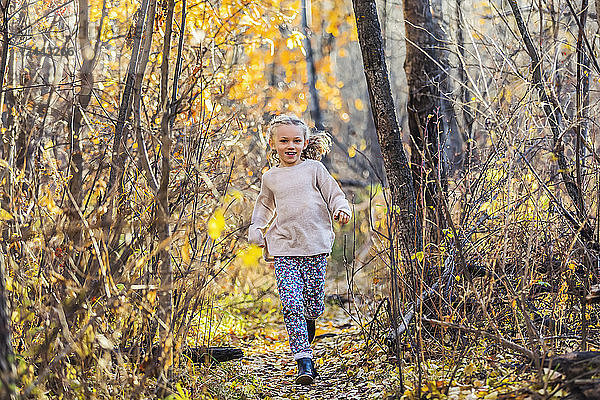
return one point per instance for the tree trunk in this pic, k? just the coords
(4, 5)
(313, 98)
(402, 211)
(465, 97)
(7, 369)
(313, 95)
(582, 99)
(452, 147)
(88, 56)
(118, 153)
(137, 93)
(426, 80)
(165, 296)
(384, 115)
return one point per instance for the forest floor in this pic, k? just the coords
(347, 369)
(354, 364)
(352, 370)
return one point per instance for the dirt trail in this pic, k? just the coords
(346, 372)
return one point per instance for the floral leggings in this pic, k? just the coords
(301, 284)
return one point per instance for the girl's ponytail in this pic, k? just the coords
(319, 144)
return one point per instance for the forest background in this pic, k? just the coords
(133, 142)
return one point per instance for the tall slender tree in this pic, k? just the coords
(465, 93)
(4, 5)
(428, 111)
(7, 369)
(313, 101)
(88, 55)
(386, 124)
(403, 209)
(118, 151)
(114, 190)
(582, 99)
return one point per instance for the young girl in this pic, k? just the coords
(303, 197)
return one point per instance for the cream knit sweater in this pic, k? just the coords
(304, 198)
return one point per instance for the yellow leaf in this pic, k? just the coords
(216, 224)
(351, 151)
(5, 215)
(246, 20)
(250, 255)
(358, 104)
(469, 369)
(151, 296)
(419, 256)
(236, 194)
(289, 43)
(140, 263)
(186, 250)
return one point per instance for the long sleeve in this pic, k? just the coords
(262, 215)
(331, 192)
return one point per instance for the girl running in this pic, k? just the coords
(303, 197)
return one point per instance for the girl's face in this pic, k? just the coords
(288, 141)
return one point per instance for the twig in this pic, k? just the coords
(506, 343)
(552, 110)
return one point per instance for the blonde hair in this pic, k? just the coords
(319, 142)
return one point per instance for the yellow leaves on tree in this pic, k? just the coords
(358, 104)
(47, 202)
(250, 255)
(233, 195)
(216, 224)
(274, 72)
(295, 41)
(186, 251)
(352, 151)
(5, 215)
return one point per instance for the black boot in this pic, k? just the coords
(306, 371)
(310, 326)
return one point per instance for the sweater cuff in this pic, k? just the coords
(255, 236)
(345, 210)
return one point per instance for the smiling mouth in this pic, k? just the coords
(290, 153)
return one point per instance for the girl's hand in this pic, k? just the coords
(341, 217)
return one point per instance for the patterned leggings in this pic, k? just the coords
(301, 284)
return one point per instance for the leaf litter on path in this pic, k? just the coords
(345, 372)
(349, 369)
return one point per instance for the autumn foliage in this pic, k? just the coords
(119, 254)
